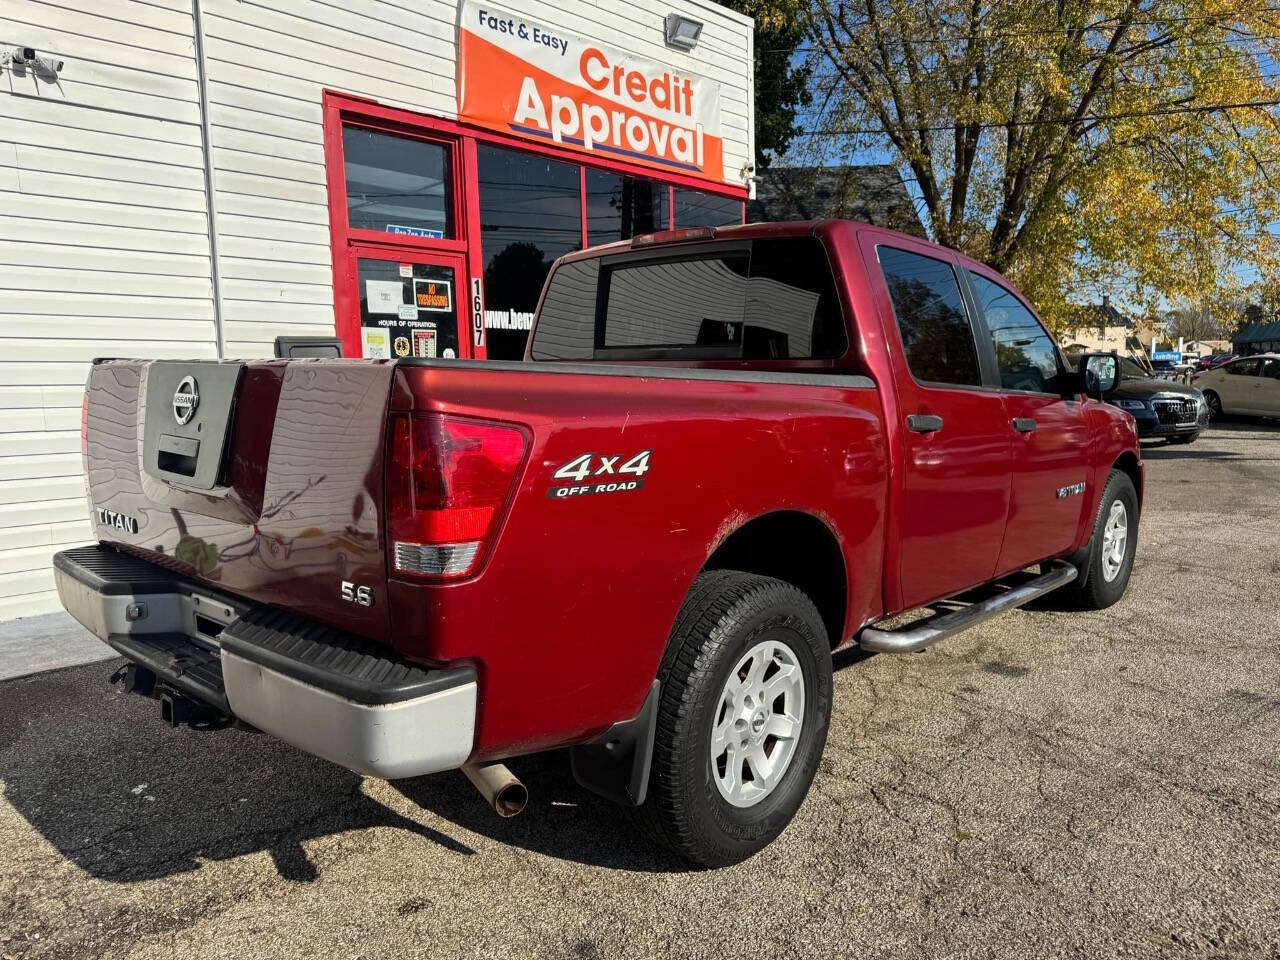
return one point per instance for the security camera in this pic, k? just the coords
(748, 170)
(50, 66)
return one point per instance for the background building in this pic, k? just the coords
(1257, 338)
(1103, 328)
(202, 176)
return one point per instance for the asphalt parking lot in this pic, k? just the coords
(1049, 784)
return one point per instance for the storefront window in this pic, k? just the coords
(397, 185)
(620, 207)
(694, 208)
(530, 213)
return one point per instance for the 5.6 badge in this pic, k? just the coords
(584, 473)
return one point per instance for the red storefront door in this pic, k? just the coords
(411, 303)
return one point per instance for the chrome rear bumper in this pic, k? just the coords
(329, 693)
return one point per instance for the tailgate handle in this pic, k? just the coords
(924, 423)
(1023, 424)
(177, 454)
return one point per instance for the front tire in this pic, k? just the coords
(1215, 404)
(742, 721)
(1113, 545)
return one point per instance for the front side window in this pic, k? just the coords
(1025, 353)
(694, 208)
(397, 185)
(1270, 368)
(530, 214)
(935, 330)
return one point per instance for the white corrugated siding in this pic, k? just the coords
(104, 245)
(103, 248)
(267, 63)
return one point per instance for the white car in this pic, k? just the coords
(1248, 385)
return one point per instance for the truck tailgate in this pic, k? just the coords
(262, 478)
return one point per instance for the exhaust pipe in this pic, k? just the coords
(503, 791)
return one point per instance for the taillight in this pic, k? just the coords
(448, 482)
(84, 422)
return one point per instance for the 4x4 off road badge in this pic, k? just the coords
(591, 473)
(185, 400)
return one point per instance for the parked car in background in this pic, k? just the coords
(1213, 360)
(1245, 385)
(1163, 368)
(1162, 408)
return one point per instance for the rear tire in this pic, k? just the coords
(737, 636)
(1112, 547)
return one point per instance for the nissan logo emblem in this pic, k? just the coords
(185, 400)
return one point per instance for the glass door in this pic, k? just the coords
(409, 303)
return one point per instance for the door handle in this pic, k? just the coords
(924, 423)
(1024, 424)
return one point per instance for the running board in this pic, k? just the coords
(926, 634)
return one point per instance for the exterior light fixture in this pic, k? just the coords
(682, 31)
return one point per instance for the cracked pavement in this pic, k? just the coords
(1046, 785)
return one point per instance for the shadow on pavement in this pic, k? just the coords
(562, 819)
(127, 798)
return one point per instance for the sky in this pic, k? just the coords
(830, 151)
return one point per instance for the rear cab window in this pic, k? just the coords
(765, 299)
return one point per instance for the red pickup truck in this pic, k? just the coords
(727, 453)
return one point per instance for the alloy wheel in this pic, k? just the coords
(1115, 538)
(757, 723)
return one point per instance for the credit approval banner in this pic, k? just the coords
(538, 81)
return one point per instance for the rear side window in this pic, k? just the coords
(1025, 353)
(773, 299)
(936, 335)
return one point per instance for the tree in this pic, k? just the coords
(1078, 146)
(1198, 322)
(781, 78)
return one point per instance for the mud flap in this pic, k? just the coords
(616, 764)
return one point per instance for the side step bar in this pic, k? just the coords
(926, 634)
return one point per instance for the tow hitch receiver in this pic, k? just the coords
(176, 708)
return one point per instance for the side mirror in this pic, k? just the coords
(1101, 373)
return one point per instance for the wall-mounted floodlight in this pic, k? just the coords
(682, 31)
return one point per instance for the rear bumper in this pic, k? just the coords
(329, 693)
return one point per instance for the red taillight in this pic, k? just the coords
(448, 480)
(84, 422)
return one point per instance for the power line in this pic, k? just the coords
(1212, 20)
(1088, 118)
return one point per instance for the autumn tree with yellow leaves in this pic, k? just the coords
(1080, 147)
